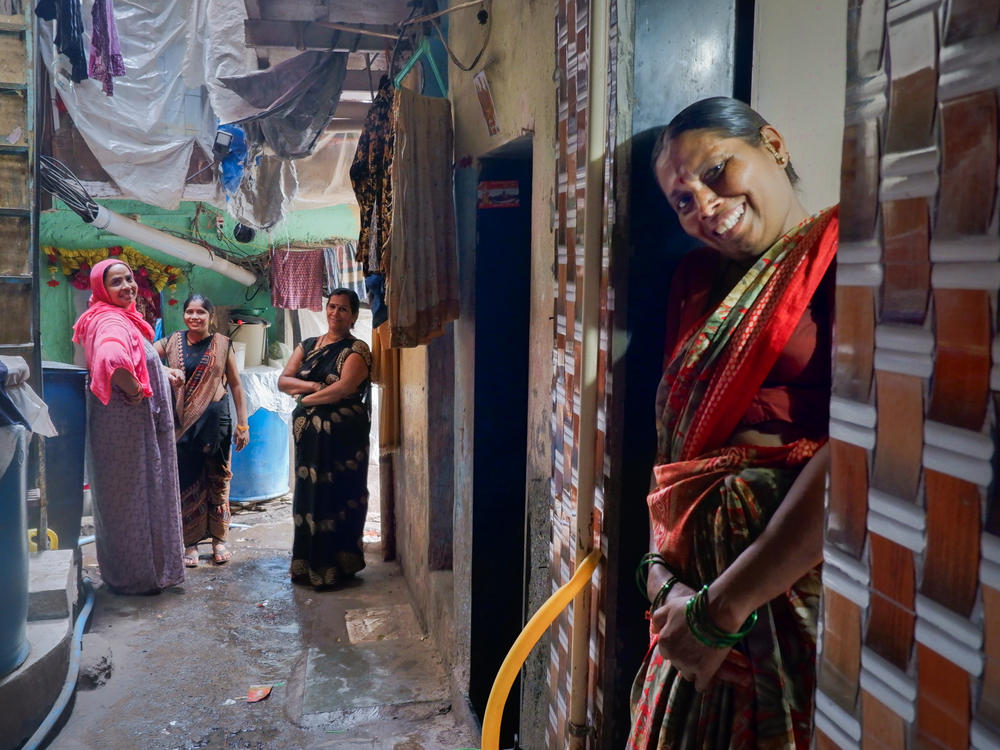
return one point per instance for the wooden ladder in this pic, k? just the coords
(19, 267)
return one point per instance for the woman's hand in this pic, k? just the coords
(241, 438)
(175, 377)
(134, 398)
(128, 385)
(695, 661)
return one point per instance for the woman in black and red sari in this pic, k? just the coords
(736, 510)
(329, 377)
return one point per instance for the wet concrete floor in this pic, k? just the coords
(349, 668)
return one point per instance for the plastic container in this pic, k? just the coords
(14, 553)
(240, 353)
(66, 396)
(252, 332)
(260, 470)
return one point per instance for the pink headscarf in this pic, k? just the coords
(111, 336)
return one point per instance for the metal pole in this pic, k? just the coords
(43, 498)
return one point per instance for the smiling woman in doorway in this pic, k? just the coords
(130, 432)
(204, 426)
(329, 377)
(736, 507)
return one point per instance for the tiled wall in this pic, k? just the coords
(572, 26)
(910, 653)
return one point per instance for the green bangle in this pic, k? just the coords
(706, 631)
(662, 592)
(642, 569)
(298, 399)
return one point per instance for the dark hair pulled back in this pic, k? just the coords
(351, 295)
(205, 302)
(728, 117)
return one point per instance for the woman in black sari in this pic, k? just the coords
(329, 377)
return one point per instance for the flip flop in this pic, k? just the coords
(221, 555)
(191, 559)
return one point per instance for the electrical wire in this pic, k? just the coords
(458, 63)
(56, 178)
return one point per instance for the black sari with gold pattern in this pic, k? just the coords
(331, 471)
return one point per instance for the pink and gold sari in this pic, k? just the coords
(712, 501)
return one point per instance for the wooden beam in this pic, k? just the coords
(357, 80)
(388, 12)
(352, 110)
(338, 124)
(302, 35)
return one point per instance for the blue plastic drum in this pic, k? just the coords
(66, 396)
(14, 552)
(260, 470)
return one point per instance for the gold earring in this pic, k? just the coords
(783, 159)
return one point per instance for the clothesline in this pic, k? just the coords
(303, 247)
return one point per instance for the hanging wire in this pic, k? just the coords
(371, 81)
(446, 11)
(56, 178)
(399, 39)
(486, 40)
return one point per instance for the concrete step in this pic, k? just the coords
(28, 693)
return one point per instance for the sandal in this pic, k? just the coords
(191, 557)
(220, 555)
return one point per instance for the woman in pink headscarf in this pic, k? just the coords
(133, 472)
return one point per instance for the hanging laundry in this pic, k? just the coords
(422, 278)
(371, 178)
(297, 279)
(68, 16)
(375, 285)
(342, 270)
(234, 163)
(105, 50)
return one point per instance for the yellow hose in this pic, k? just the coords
(537, 625)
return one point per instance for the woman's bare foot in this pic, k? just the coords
(191, 557)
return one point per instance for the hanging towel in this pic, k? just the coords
(68, 16)
(422, 267)
(105, 50)
(297, 279)
(343, 271)
(371, 178)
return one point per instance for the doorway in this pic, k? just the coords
(502, 307)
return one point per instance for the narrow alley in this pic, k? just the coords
(514, 258)
(350, 668)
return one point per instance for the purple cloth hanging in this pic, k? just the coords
(105, 51)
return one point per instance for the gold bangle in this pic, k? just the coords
(242, 428)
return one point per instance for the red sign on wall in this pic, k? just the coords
(499, 194)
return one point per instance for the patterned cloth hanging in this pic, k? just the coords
(105, 50)
(297, 278)
(343, 271)
(371, 177)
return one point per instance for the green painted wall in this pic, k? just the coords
(62, 228)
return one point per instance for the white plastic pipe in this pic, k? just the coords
(171, 245)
